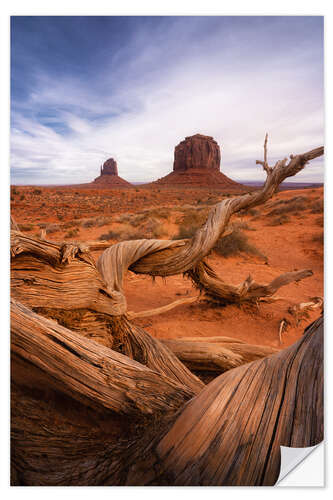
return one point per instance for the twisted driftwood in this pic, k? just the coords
(97, 400)
(229, 434)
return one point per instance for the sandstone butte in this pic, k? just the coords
(109, 177)
(197, 162)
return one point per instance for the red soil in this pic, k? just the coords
(295, 244)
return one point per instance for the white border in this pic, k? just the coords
(144, 7)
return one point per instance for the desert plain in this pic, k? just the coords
(285, 234)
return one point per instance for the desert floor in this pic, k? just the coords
(283, 235)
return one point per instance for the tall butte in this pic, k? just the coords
(109, 176)
(197, 162)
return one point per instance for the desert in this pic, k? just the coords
(166, 249)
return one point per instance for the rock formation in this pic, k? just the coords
(109, 176)
(197, 163)
(109, 167)
(197, 151)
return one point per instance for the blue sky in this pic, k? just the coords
(84, 89)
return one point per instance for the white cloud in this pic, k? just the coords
(141, 119)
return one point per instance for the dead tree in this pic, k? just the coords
(97, 400)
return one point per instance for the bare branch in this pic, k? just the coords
(264, 163)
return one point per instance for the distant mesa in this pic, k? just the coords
(109, 176)
(197, 151)
(197, 162)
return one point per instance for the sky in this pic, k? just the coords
(84, 89)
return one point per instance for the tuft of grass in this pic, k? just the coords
(51, 228)
(37, 191)
(282, 219)
(71, 223)
(111, 235)
(293, 205)
(72, 233)
(234, 244)
(318, 207)
(89, 223)
(26, 227)
(242, 225)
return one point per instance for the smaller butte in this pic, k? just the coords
(109, 176)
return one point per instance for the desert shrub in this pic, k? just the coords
(123, 218)
(320, 221)
(26, 227)
(14, 191)
(111, 235)
(162, 213)
(293, 205)
(151, 229)
(319, 238)
(22, 197)
(102, 221)
(191, 220)
(195, 217)
(249, 211)
(242, 225)
(282, 219)
(51, 228)
(37, 191)
(42, 225)
(72, 233)
(71, 223)
(318, 207)
(89, 223)
(235, 243)
(185, 232)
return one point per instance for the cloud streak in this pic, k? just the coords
(161, 80)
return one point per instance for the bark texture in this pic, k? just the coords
(97, 401)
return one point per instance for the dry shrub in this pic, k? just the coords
(72, 233)
(242, 225)
(234, 244)
(103, 221)
(51, 228)
(293, 205)
(185, 232)
(249, 211)
(111, 235)
(124, 218)
(320, 221)
(152, 229)
(89, 223)
(318, 207)
(26, 227)
(162, 213)
(71, 223)
(282, 219)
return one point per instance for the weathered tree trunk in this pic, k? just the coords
(97, 400)
(229, 434)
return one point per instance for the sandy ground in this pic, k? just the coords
(292, 245)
